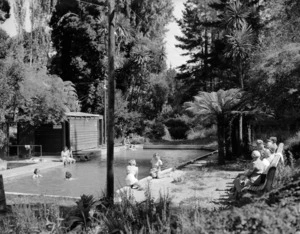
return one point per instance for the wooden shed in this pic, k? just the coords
(80, 130)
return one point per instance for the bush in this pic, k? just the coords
(293, 144)
(177, 128)
(155, 130)
(201, 132)
(137, 140)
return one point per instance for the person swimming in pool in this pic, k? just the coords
(68, 175)
(36, 173)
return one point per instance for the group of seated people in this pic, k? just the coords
(132, 171)
(67, 155)
(262, 157)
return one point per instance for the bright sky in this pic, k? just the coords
(10, 24)
(174, 57)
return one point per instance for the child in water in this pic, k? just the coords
(36, 173)
(68, 175)
(156, 166)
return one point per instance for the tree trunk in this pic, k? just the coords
(2, 195)
(221, 140)
(249, 139)
(5, 130)
(111, 102)
(249, 131)
(228, 142)
(241, 142)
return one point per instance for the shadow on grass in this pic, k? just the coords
(229, 166)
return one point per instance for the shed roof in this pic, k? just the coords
(81, 114)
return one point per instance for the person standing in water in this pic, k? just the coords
(36, 173)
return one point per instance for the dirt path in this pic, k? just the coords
(203, 187)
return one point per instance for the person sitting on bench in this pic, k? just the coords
(71, 158)
(261, 147)
(272, 148)
(273, 141)
(65, 155)
(251, 176)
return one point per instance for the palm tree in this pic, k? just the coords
(239, 47)
(217, 105)
(235, 15)
(240, 42)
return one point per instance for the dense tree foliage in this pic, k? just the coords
(28, 93)
(80, 40)
(219, 106)
(231, 44)
(275, 66)
(218, 37)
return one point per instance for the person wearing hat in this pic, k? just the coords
(251, 176)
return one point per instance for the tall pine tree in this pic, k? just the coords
(205, 38)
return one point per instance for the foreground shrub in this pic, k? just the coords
(177, 128)
(254, 218)
(32, 218)
(132, 217)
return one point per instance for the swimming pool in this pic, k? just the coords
(90, 177)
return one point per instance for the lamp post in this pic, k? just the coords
(111, 101)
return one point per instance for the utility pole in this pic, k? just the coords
(2, 196)
(111, 101)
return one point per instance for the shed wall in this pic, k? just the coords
(50, 137)
(84, 133)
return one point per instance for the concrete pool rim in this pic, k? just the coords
(179, 147)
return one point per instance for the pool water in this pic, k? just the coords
(90, 177)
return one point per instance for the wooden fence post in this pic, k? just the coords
(2, 196)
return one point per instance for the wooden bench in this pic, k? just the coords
(269, 175)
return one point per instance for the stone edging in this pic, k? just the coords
(42, 195)
(190, 147)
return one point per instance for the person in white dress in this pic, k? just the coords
(65, 155)
(132, 175)
(71, 158)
